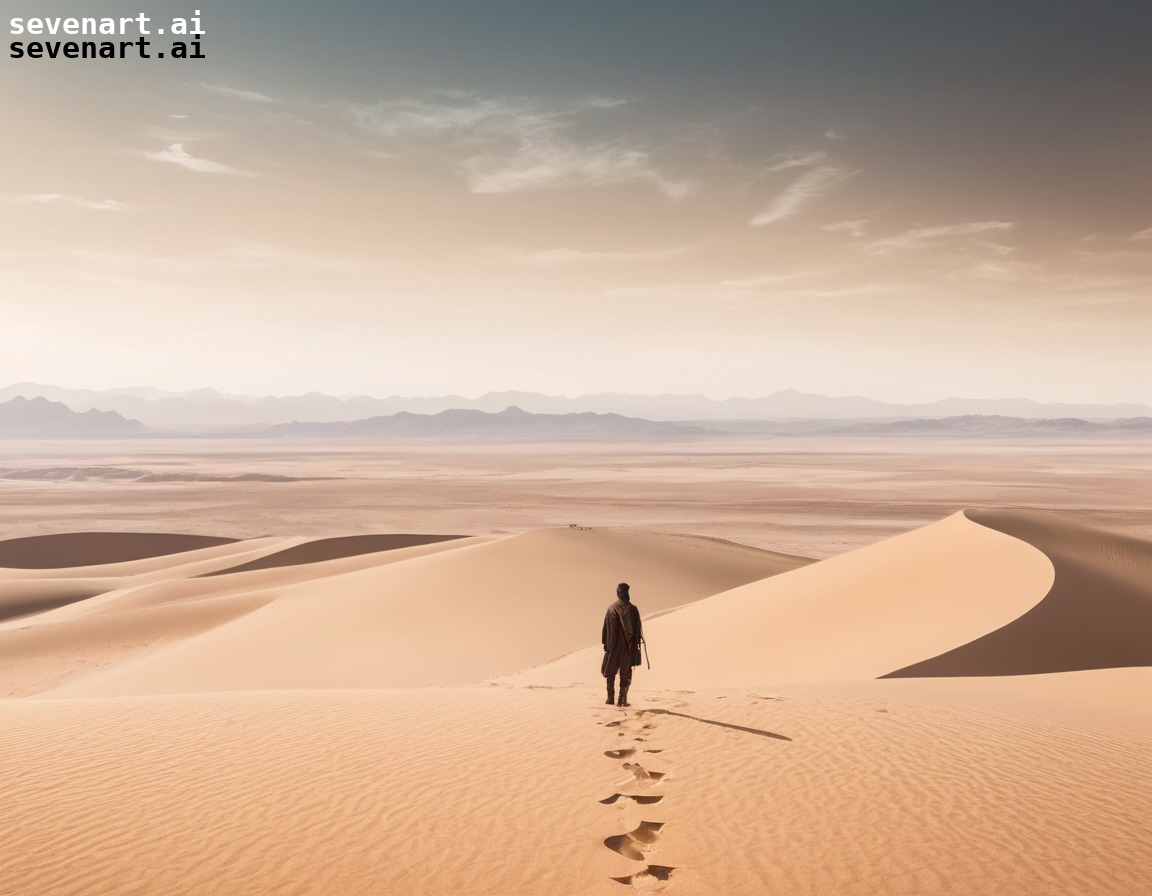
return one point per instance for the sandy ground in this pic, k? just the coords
(815, 498)
(963, 706)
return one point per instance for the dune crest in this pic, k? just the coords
(1097, 614)
(854, 616)
(456, 616)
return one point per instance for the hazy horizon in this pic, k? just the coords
(476, 395)
(895, 200)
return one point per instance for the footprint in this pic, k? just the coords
(641, 773)
(635, 797)
(636, 844)
(648, 879)
(619, 754)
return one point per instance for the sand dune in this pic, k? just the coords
(518, 791)
(856, 616)
(272, 698)
(36, 596)
(23, 598)
(129, 616)
(459, 616)
(93, 548)
(184, 563)
(1097, 615)
(323, 549)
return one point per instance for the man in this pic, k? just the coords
(621, 639)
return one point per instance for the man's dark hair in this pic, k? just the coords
(622, 591)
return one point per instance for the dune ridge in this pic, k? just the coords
(131, 616)
(462, 615)
(321, 549)
(1097, 614)
(858, 615)
(281, 733)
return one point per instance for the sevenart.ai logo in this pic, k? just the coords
(176, 38)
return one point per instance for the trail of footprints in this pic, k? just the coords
(638, 843)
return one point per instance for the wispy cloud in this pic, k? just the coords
(763, 280)
(176, 155)
(506, 145)
(264, 256)
(248, 96)
(933, 237)
(854, 227)
(565, 256)
(1145, 234)
(741, 291)
(797, 160)
(802, 190)
(75, 202)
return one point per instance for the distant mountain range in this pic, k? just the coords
(977, 425)
(510, 424)
(209, 409)
(39, 418)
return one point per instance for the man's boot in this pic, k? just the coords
(623, 696)
(611, 694)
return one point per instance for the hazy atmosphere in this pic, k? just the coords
(903, 200)
(357, 374)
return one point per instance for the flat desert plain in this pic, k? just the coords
(876, 667)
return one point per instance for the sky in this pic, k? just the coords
(903, 199)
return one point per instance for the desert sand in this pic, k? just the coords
(964, 706)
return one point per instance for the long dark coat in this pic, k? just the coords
(620, 637)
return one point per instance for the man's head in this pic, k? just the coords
(622, 591)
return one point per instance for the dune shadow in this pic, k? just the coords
(1096, 615)
(336, 548)
(12, 610)
(71, 549)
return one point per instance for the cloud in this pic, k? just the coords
(1145, 234)
(801, 191)
(507, 145)
(76, 202)
(765, 280)
(265, 256)
(176, 155)
(564, 256)
(933, 237)
(854, 227)
(833, 134)
(794, 160)
(249, 96)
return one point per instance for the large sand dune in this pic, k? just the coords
(230, 720)
(457, 616)
(1097, 615)
(859, 615)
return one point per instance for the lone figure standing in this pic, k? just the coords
(621, 639)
